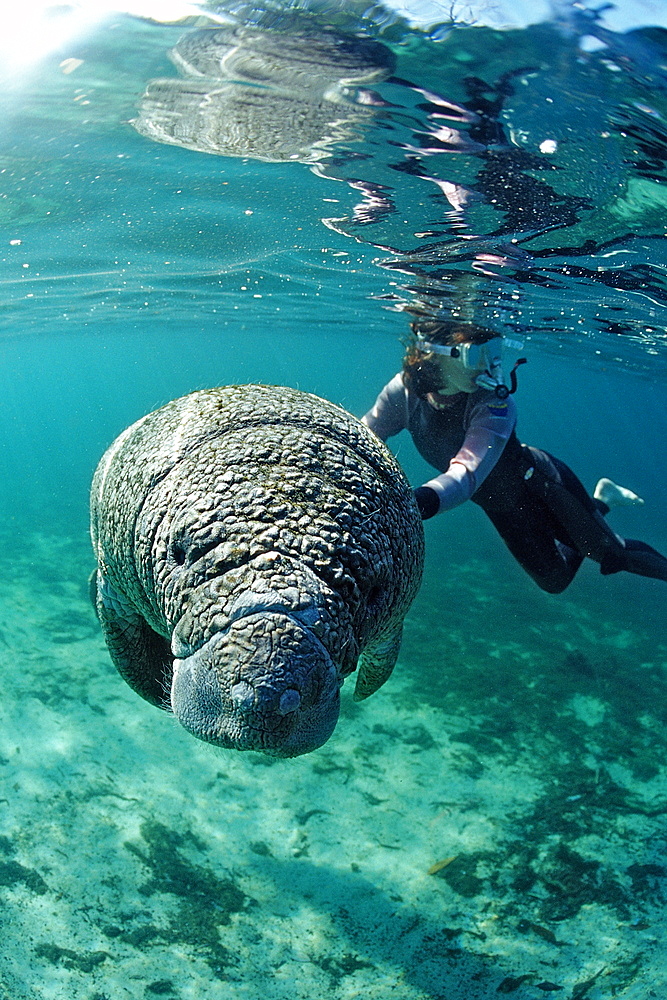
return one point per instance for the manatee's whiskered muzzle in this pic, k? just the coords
(266, 683)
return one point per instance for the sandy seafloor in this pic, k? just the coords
(525, 742)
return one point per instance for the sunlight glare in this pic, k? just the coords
(33, 29)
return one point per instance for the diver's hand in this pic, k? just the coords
(428, 501)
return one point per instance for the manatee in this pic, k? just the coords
(225, 119)
(265, 94)
(305, 58)
(255, 545)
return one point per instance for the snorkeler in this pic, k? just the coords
(451, 397)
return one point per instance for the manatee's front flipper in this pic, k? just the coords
(92, 591)
(141, 656)
(376, 663)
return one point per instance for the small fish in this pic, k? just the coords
(439, 865)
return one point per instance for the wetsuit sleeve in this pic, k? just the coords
(388, 414)
(491, 423)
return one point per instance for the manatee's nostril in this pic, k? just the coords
(243, 695)
(289, 701)
(178, 554)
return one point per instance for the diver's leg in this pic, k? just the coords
(530, 535)
(583, 522)
(635, 557)
(578, 516)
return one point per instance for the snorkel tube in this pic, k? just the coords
(501, 391)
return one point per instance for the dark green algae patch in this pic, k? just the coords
(205, 902)
(13, 873)
(81, 961)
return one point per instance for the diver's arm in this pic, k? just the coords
(491, 424)
(388, 414)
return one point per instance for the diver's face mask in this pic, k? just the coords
(468, 366)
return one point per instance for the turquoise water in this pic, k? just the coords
(521, 735)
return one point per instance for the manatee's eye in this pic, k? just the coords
(379, 591)
(178, 553)
(372, 606)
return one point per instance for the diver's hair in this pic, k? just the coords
(421, 371)
(449, 332)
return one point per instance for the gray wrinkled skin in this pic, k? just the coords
(264, 94)
(302, 60)
(227, 120)
(255, 545)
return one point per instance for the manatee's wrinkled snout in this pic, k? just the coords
(265, 683)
